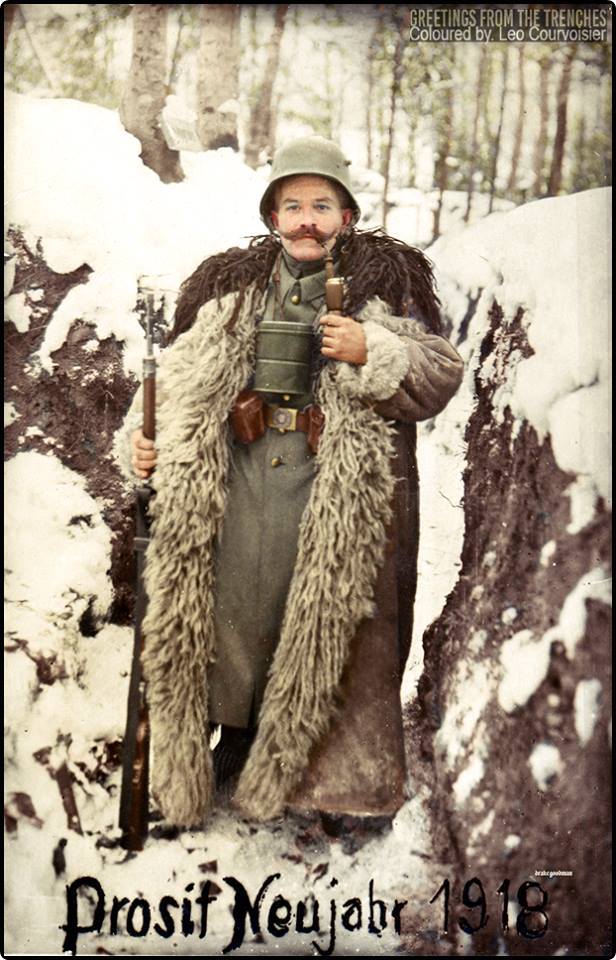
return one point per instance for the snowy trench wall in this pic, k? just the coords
(513, 706)
(508, 731)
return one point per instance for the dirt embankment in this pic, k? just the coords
(511, 729)
(74, 412)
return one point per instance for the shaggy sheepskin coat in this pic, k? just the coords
(330, 728)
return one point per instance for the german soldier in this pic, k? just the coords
(282, 565)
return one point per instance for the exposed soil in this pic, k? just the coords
(77, 410)
(514, 505)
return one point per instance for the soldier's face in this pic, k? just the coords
(308, 215)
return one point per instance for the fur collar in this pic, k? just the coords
(372, 263)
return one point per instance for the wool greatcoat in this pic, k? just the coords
(269, 484)
(330, 727)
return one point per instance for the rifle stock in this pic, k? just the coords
(136, 748)
(134, 796)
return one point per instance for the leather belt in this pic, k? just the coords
(251, 416)
(286, 418)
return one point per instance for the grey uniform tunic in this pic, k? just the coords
(269, 486)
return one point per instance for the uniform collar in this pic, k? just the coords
(302, 268)
(309, 274)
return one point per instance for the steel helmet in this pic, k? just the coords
(308, 155)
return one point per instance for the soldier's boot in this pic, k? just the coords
(229, 756)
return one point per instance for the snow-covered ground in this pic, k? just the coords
(90, 199)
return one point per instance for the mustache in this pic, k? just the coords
(308, 231)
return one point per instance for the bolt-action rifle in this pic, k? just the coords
(136, 748)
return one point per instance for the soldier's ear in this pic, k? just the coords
(347, 216)
(274, 219)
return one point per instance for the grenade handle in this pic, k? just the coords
(334, 294)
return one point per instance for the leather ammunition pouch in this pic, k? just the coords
(248, 417)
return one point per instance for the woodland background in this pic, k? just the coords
(509, 121)
(137, 141)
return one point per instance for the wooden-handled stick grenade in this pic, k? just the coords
(334, 286)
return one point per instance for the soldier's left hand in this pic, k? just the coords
(343, 339)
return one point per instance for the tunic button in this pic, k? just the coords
(277, 461)
(295, 298)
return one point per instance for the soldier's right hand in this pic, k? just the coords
(143, 454)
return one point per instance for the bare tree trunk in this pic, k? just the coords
(403, 24)
(10, 9)
(145, 91)
(579, 153)
(474, 135)
(39, 52)
(369, 116)
(372, 50)
(330, 94)
(273, 139)
(218, 76)
(441, 172)
(556, 171)
(541, 144)
(261, 129)
(499, 129)
(334, 93)
(251, 62)
(413, 121)
(253, 36)
(175, 59)
(519, 127)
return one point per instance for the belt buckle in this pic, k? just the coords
(284, 418)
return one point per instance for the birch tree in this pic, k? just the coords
(373, 48)
(541, 142)
(475, 131)
(218, 76)
(262, 123)
(402, 24)
(591, 131)
(519, 127)
(444, 124)
(146, 90)
(499, 127)
(560, 137)
(10, 9)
